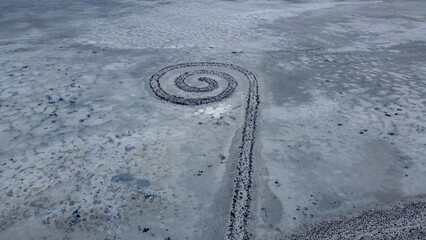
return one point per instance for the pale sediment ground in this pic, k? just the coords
(87, 151)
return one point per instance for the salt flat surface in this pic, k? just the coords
(89, 150)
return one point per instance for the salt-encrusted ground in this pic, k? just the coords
(88, 151)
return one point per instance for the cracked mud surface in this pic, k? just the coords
(89, 151)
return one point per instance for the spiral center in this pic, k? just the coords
(211, 83)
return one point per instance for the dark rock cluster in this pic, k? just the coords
(403, 220)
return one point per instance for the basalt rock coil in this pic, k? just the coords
(240, 206)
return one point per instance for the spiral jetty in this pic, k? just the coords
(240, 206)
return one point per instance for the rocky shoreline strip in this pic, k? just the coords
(402, 220)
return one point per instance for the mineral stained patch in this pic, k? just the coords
(240, 207)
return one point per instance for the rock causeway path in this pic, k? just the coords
(240, 207)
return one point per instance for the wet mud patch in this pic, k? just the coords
(127, 178)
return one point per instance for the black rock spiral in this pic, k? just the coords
(154, 83)
(240, 207)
